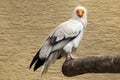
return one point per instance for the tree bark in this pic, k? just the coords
(91, 64)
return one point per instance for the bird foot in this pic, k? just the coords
(70, 58)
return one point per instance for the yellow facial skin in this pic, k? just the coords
(80, 12)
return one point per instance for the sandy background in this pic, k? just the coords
(25, 23)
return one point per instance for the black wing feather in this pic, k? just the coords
(53, 39)
(36, 57)
(39, 63)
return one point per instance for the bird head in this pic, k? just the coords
(79, 12)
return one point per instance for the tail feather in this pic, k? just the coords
(44, 68)
(39, 63)
(36, 57)
(52, 58)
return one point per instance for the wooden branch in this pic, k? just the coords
(91, 64)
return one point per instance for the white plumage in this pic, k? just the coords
(64, 39)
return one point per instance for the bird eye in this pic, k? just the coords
(77, 11)
(82, 11)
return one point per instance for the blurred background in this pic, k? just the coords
(24, 24)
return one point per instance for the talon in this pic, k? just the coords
(70, 57)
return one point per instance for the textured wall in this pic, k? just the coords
(25, 23)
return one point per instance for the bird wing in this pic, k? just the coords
(67, 30)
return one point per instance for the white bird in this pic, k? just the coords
(64, 39)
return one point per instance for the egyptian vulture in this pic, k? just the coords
(64, 39)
